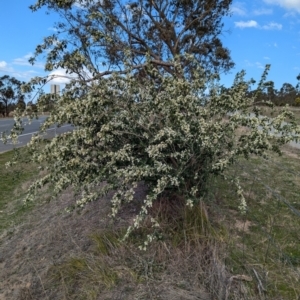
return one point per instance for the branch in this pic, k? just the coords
(99, 75)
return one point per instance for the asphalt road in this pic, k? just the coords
(7, 124)
(30, 129)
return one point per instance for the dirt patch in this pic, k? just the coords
(242, 225)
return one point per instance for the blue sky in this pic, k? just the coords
(264, 32)
(259, 32)
(20, 31)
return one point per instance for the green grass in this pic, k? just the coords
(266, 240)
(12, 180)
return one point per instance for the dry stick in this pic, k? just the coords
(260, 285)
(243, 239)
(237, 277)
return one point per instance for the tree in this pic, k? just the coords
(10, 91)
(103, 34)
(287, 94)
(32, 106)
(271, 91)
(147, 121)
(297, 101)
(21, 103)
(298, 85)
(167, 139)
(2, 110)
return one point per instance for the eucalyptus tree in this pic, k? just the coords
(270, 90)
(95, 36)
(287, 94)
(10, 91)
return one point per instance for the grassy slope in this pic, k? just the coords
(261, 249)
(12, 189)
(265, 242)
(275, 112)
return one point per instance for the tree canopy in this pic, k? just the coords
(10, 92)
(96, 37)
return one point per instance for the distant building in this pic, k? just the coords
(55, 89)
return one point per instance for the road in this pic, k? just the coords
(30, 129)
(7, 124)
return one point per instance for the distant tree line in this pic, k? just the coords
(12, 97)
(287, 94)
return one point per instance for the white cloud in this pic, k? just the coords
(23, 61)
(256, 64)
(271, 45)
(287, 4)
(263, 11)
(254, 24)
(248, 63)
(259, 65)
(21, 75)
(247, 24)
(81, 3)
(24, 75)
(3, 64)
(272, 25)
(77, 4)
(266, 57)
(60, 76)
(238, 9)
(289, 14)
(5, 68)
(52, 29)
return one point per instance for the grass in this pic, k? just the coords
(211, 250)
(12, 187)
(258, 252)
(267, 111)
(265, 242)
(112, 266)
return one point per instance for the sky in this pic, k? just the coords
(20, 32)
(257, 33)
(261, 32)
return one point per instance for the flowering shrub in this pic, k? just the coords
(166, 133)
